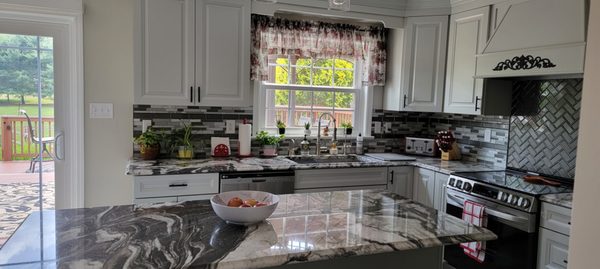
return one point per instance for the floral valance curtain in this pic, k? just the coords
(279, 36)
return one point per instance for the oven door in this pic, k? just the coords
(516, 246)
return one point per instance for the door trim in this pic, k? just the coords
(67, 23)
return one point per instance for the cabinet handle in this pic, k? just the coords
(192, 94)
(177, 185)
(404, 102)
(258, 180)
(565, 261)
(392, 180)
(477, 99)
(198, 94)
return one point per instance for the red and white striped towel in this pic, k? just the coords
(474, 213)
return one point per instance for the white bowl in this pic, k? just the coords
(244, 215)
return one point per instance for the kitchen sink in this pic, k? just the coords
(325, 159)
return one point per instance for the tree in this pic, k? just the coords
(19, 66)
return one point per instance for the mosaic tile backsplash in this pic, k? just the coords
(210, 121)
(545, 125)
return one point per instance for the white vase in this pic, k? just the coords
(307, 132)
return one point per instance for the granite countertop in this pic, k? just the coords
(561, 199)
(305, 227)
(215, 165)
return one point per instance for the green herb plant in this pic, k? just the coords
(280, 124)
(148, 138)
(264, 138)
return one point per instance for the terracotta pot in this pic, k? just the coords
(149, 152)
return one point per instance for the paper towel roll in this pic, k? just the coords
(244, 137)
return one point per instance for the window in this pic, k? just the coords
(301, 89)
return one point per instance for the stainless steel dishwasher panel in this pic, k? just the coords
(275, 182)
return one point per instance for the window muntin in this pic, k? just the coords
(304, 88)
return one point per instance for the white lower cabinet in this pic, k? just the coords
(553, 246)
(174, 188)
(400, 180)
(553, 250)
(424, 186)
(440, 191)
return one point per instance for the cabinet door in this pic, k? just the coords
(553, 250)
(400, 181)
(424, 189)
(468, 37)
(424, 63)
(223, 52)
(175, 185)
(342, 177)
(440, 191)
(164, 52)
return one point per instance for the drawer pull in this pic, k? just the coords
(569, 223)
(258, 180)
(178, 185)
(565, 261)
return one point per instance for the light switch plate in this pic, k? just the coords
(101, 110)
(388, 127)
(230, 126)
(377, 127)
(145, 125)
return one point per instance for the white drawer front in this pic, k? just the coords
(146, 201)
(194, 197)
(556, 218)
(177, 185)
(373, 187)
(343, 177)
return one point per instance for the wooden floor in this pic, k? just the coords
(19, 192)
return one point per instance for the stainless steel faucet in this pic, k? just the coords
(319, 131)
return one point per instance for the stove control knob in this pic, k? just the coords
(505, 197)
(459, 184)
(514, 200)
(451, 182)
(525, 203)
(467, 186)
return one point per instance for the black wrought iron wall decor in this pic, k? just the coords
(524, 63)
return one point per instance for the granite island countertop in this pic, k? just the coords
(139, 167)
(304, 228)
(561, 199)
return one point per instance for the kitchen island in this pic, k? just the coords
(344, 229)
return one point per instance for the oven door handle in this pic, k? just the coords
(509, 217)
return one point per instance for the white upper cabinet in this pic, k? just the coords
(164, 52)
(417, 65)
(223, 52)
(193, 52)
(468, 37)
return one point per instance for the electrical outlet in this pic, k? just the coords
(388, 127)
(230, 126)
(377, 127)
(101, 110)
(145, 125)
(487, 135)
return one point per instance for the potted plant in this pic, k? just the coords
(268, 142)
(348, 127)
(149, 143)
(185, 148)
(281, 126)
(307, 129)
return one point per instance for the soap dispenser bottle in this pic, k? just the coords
(305, 147)
(359, 144)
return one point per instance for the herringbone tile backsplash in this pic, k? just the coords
(544, 126)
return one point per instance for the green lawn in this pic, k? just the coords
(29, 99)
(32, 110)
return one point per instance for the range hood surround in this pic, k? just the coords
(536, 38)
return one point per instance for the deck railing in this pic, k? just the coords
(16, 138)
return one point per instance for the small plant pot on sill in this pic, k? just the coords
(269, 150)
(149, 152)
(348, 131)
(185, 152)
(307, 132)
(281, 131)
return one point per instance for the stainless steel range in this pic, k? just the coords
(512, 207)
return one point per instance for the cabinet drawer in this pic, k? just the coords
(553, 250)
(194, 197)
(329, 178)
(177, 185)
(372, 187)
(146, 201)
(556, 218)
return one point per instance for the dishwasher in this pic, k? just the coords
(276, 182)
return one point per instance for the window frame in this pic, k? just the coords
(360, 106)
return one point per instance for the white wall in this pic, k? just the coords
(585, 231)
(108, 61)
